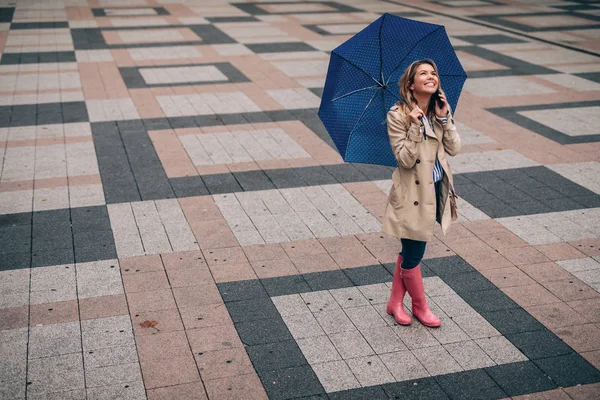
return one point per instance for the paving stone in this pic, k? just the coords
(126, 391)
(520, 378)
(334, 321)
(291, 382)
(277, 355)
(303, 326)
(415, 389)
(470, 385)
(569, 370)
(404, 365)
(318, 349)
(106, 333)
(113, 375)
(55, 374)
(54, 340)
(263, 331)
(370, 370)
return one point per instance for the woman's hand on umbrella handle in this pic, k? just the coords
(415, 115)
(441, 112)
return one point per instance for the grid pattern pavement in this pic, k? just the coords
(175, 221)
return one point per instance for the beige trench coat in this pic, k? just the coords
(411, 208)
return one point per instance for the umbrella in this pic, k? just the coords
(362, 83)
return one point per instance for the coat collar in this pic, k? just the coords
(437, 128)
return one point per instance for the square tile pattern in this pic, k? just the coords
(339, 340)
(175, 221)
(350, 342)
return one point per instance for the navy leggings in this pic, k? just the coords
(413, 250)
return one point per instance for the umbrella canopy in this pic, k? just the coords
(362, 83)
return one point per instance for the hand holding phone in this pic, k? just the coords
(441, 105)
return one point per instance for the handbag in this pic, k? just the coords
(453, 206)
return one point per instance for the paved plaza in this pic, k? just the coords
(175, 222)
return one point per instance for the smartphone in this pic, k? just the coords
(436, 97)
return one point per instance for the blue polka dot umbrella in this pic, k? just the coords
(362, 83)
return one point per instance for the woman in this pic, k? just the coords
(421, 133)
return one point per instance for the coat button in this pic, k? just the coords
(418, 161)
(416, 203)
(417, 182)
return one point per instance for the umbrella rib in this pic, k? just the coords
(416, 44)
(351, 93)
(381, 50)
(357, 67)
(359, 118)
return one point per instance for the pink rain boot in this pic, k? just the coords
(413, 281)
(395, 306)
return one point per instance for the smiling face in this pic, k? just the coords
(425, 81)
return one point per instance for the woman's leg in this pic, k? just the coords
(412, 252)
(395, 305)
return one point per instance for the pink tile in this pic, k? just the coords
(187, 391)
(169, 371)
(205, 316)
(214, 338)
(152, 322)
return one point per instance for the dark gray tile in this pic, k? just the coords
(221, 183)
(284, 178)
(280, 115)
(15, 239)
(51, 241)
(366, 393)
(17, 219)
(90, 218)
(327, 280)
(188, 186)
(210, 34)
(569, 370)
(520, 378)
(106, 251)
(262, 331)
(260, 48)
(38, 58)
(99, 239)
(368, 275)
(490, 39)
(232, 119)
(315, 176)
(9, 261)
(257, 117)
(255, 9)
(52, 257)
(39, 25)
(467, 282)
(75, 111)
(590, 76)
(452, 265)
(291, 383)
(6, 14)
(253, 180)
(346, 173)
(420, 389)
(284, 285)
(279, 355)
(221, 20)
(489, 300)
(515, 320)
(589, 201)
(501, 20)
(470, 385)
(252, 309)
(241, 290)
(539, 344)
(375, 172)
